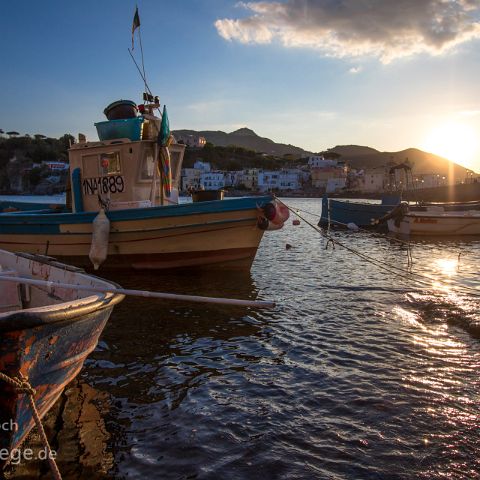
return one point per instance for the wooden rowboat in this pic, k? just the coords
(46, 333)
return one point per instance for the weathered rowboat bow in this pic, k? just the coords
(46, 334)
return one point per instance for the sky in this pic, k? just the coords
(388, 74)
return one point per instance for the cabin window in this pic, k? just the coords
(110, 163)
(146, 171)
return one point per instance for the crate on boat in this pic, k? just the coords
(125, 128)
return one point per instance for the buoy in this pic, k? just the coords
(296, 221)
(100, 233)
(353, 226)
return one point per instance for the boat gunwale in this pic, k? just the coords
(61, 312)
(160, 211)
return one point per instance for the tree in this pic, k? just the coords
(67, 141)
(13, 134)
(34, 176)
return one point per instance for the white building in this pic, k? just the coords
(287, 179)
(201, 165)
(290, 179)
(268, 180)
(335, 184)
(233, 178)
(372, 181)
(194, 141)
(212, 180)
(318, 161)
(190, 178)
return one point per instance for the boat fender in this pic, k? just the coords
(276, 212)
(353, 226)
(265, 224)
(269, 211)
(282, 212)
(274, 226)
(100, 234)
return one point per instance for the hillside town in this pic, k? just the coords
(316, 175)
(39, 165)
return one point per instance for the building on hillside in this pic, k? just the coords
(336, 184)
(372, 181)
(250, 178)
(233, 178)
(190, 179)
(286, 179)
(212, 180)
(268, 180)
(318, 161)
(321, 175)
(203, 166)
(194, 141)
(290, 179)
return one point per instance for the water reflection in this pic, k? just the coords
(357, 374)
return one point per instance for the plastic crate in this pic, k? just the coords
(125, 128)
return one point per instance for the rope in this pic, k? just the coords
(21, 385)
(385, 266)
(373, 233)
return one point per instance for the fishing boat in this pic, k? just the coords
(46, 333)
(340, 213)
(435, 221)
(123, 202)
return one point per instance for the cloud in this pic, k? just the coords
(355, 70)
(387, 29)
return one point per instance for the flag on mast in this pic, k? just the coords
(135, 24)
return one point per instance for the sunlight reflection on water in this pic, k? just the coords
(356, 374)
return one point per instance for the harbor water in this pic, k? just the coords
(358, 373)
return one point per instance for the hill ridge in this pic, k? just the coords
(357, 156)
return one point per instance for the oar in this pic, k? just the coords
(142, 293)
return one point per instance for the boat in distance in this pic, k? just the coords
(46, 333)
(436, 223)
(340, 213)
(127, 185)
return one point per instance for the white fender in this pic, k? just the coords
(353, 226)
(100, 234)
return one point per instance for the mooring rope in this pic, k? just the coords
(385, 266)
(21, 385)
(374, 233)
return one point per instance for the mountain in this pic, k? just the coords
(246, 138)
(422, 162)
(357, 156)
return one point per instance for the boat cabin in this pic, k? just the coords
(117, 172)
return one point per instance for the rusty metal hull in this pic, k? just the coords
(47, 345)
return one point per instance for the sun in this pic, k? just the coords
(456, 142)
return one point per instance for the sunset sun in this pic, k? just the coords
(456, 142)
